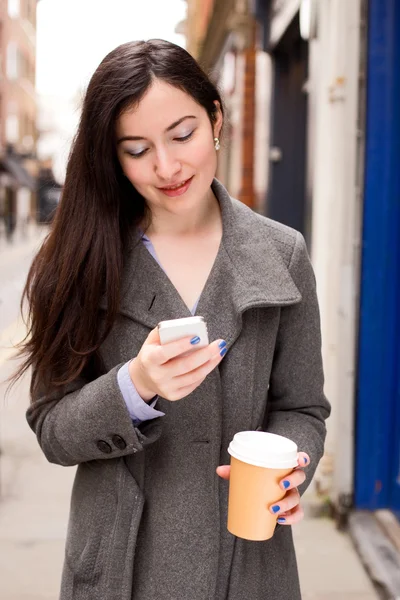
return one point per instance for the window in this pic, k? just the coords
(12, 129)
(13, 8)
(12, 61)
(1, 51)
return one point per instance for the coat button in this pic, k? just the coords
(104, 447)
(119, 442)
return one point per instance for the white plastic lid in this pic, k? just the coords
(263, 449)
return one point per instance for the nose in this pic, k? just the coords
(166, 165)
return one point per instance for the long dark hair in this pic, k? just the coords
(81, 259)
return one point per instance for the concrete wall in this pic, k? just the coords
(336, 224)
(262, 130)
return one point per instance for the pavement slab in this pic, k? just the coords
(329, 566)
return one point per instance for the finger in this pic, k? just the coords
(291, 500)
(188, 364)
(198, 375)
(183, 392)
(174, 349)
(303, 459)
(296, 478)
(168, 351)
(224, 471)
(291, 517)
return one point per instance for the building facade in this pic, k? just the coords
(18, 133)
(223, 40)
(323, 100)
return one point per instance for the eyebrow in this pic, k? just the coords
(135, 138)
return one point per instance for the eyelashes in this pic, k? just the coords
(181, 140)
(185, 137)
(137, 155)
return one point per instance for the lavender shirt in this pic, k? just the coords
(138, 409)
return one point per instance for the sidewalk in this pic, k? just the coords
(21, 238)
(33, 519)
(329, 566)
(15, 259)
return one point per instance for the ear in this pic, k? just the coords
(219, 119)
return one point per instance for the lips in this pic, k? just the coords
(178, 189)
(169, 188)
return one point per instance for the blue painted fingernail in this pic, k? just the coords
(286, 484)
(281, 520)
(195, 340)
(305, 460)
(276, 509)
(223, 352)
(222, 344)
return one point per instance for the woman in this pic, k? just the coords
(145, 233)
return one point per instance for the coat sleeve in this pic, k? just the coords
(297, 407)
(88, 421)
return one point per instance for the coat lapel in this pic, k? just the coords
(248, 272)
(147, 294)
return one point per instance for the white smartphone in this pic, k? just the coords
(176, 329)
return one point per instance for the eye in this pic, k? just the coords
(136, 154)
(185, 138)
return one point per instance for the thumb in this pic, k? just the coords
(153, 337)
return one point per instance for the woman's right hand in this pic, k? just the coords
(160, 370)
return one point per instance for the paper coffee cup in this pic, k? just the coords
(259, 461)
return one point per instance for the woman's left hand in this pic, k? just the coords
(288, 509)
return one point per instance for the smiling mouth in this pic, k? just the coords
(177, 186)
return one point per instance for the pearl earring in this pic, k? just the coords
(217, 145)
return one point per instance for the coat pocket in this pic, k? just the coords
(106, 509)
(90, 521)
(122, 543)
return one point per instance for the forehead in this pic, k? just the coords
(162, 105)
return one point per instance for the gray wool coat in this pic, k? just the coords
(148, 512)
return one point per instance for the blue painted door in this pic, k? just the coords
(377, 483)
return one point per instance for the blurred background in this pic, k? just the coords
(312, 139)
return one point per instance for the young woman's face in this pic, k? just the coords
(166, 148)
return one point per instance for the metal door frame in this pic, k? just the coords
(377, 480)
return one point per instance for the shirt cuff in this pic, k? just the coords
(138, 409)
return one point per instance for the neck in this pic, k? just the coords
(206, 216)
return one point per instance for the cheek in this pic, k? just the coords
(136, 172)
(202, 155)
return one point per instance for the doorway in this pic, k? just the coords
(286, 197)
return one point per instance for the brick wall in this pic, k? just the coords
(18, 95)
(247, 194)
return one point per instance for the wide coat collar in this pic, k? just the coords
(248, 272)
